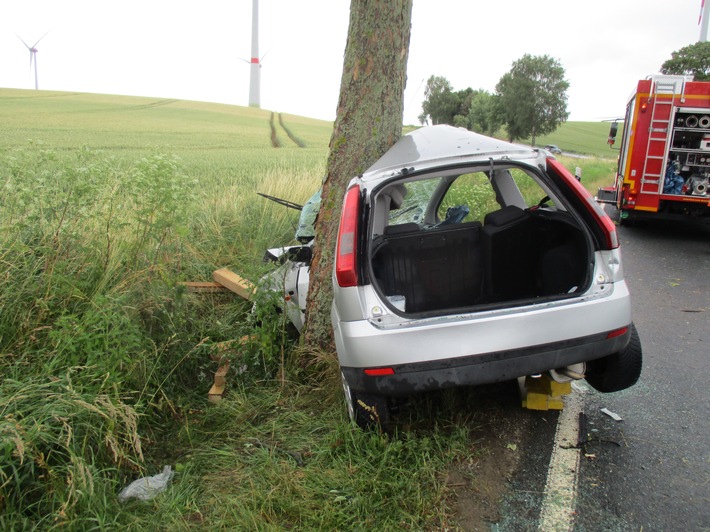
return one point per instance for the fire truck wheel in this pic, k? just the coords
(617, 371)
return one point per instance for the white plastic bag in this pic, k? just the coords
(146, 488)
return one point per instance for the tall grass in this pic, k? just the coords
(291, 463)
(94, 338)
(73, 353)
(233, 224)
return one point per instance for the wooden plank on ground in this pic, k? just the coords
(215, 393)
(220, 376)
(236, 284)
(224, 351)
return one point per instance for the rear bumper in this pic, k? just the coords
(484, 368)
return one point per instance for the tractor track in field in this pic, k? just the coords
(274, 137)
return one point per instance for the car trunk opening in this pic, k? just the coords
(458, 242)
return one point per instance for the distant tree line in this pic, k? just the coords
(530, 100)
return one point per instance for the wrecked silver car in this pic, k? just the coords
(464, 260)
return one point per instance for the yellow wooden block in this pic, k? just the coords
(555, 403)
(536, 401)
(215, 393)
(236, 284)
(543, 393)
(560, 388)
(220, 376)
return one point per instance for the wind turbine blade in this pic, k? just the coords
(23, 42)
(42, 37)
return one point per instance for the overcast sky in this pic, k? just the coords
(196, 51)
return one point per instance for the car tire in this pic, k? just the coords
(368, 411)
(617, 371)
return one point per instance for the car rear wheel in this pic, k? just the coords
(617, 371)
(368, 411)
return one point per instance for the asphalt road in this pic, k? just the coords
(650, 471)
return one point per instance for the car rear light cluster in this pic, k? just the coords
(597, 213)
(379, 372)
(617, 332)
(346, 251)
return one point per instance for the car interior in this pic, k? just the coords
(460, 239)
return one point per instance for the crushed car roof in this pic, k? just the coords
(438, 144)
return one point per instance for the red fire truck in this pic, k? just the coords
(664, 159)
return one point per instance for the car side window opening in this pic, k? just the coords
(473, 191)
(482, 195)
(531, 191)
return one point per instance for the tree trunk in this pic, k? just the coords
(368, 123)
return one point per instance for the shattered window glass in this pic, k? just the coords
(415, 202)
(305, 232)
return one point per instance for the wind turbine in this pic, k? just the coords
(33, 55)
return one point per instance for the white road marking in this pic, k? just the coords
(558, 504)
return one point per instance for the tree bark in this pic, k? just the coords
(367, 124)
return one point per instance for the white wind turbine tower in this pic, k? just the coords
(33, 55)
(255, 69)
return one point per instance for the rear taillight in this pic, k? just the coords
(379, 372)
(597, 213)
(346, 252)
(617, 332)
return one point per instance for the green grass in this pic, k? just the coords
(106, 204)
(586, 138)
(220, 142)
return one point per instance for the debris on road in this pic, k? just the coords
(612, 415)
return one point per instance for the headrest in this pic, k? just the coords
(504, 216)
(397, 193)
(409, 227)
